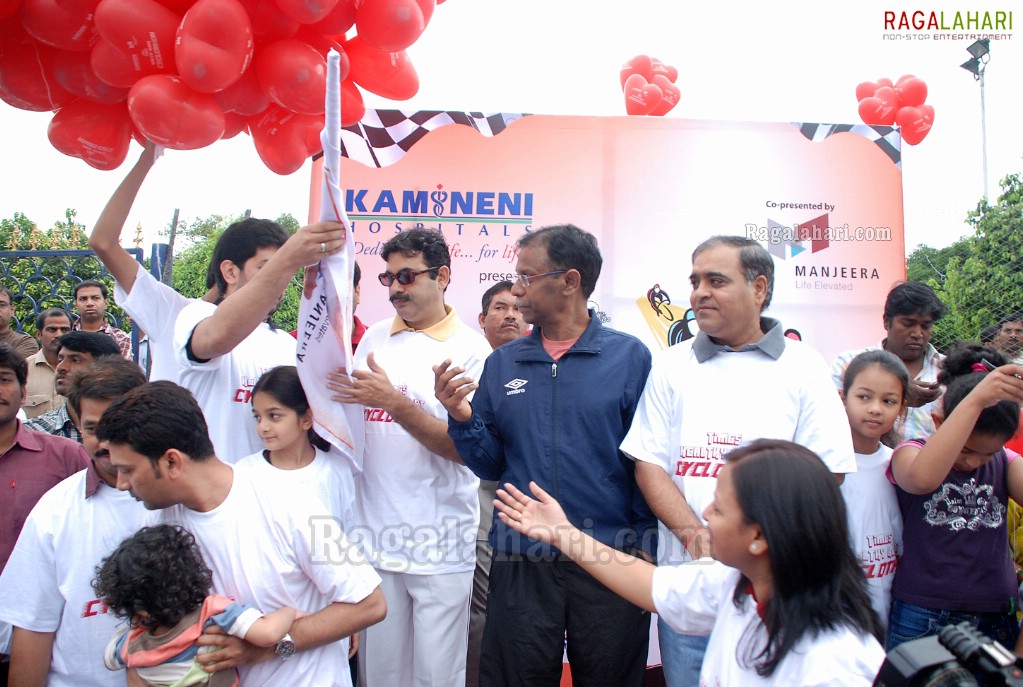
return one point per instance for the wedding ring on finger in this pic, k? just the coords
(323, 247)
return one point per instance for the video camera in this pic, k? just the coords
(958, 656)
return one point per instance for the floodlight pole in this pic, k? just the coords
(980, 55)
(983, 128)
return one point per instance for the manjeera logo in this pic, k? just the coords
(785, 241)
(813, 236)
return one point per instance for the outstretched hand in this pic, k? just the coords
(541, 518)
(452, 389)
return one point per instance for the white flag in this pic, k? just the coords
(325, 316)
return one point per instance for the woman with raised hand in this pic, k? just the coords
(784, 601)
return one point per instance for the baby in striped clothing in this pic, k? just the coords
(158, 581)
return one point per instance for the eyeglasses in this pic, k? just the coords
(527, 279)
(405, 276)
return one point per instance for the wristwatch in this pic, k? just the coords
(285, 648)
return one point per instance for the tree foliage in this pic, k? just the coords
(930, 265)
(978, 277)
(40, 281)
(21, 233)
(190, 266)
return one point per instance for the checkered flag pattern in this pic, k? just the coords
(384, 136)
(887, 138)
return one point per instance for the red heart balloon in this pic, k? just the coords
(340, 19)
(390, 75)
(881, 83)
(659, 68)
(234, 124)
(915, 123)
(112, 67)
(209, 59)
(640, 64)
(142, 31)
(170, 113)
(323, 45)
(10, 26)
(26, 76)
(63, 24)
(269, 24)
(427, 7)
(879, 109)
(641, 97)
(865, 90)
(73, 71)
(8, 8)
(136, 134)
(95, 132)
(389, 25)
(910, 91)
(306, 11)
(352, 107)
(178, 7)
(669, 98)
(245, 96)
(285, 140)
(293, 74)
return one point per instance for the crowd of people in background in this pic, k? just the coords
(786, 519)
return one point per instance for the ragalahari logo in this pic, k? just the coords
(920, 20)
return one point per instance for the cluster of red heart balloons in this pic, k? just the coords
(902, 103)
(649, 86)
(185, 73)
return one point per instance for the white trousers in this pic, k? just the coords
(422, 641)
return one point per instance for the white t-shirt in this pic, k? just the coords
(416, 512)
(696, 599)
(46, 586)
(328, 478)
(692, 413)
(154, 306)
(270, 546)
(223, 385)
(875, 525)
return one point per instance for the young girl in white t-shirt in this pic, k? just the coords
(875, 390)
(284, 420)
(294, 453)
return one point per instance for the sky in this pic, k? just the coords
(739, 61)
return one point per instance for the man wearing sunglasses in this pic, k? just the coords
(553, 407)
(416, 503)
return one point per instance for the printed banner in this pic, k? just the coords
(825, 200)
